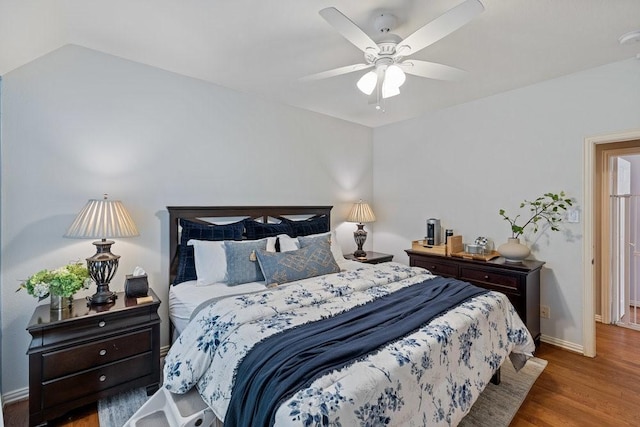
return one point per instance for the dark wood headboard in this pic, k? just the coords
(195, 213)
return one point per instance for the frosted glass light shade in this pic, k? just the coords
(394, 76)
(361, 212)
(367, 83)
(388, 91)
(101, 219)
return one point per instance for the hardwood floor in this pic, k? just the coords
(579, 391)
(572, 391)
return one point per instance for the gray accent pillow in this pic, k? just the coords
(314, 239)
(242, 263)
(313, 260)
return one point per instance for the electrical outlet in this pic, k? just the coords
(545, 312)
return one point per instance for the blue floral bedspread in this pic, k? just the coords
(431, 377)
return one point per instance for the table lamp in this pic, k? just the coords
(102, 219)
(361, 213)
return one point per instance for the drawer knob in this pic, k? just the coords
(102, 378)
(103, 352)
(486, 277)
(101, 323)
(433, 267)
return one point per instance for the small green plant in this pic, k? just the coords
(548, 208)
(64, 281)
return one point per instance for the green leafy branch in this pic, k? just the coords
(548, 208)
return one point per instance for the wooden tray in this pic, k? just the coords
(480, 257)
(454, 244)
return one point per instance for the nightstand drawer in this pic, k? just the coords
(89, 382)
(58, 363)
(489, 278)
(96, 326)
(435, 267)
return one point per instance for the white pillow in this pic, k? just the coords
(210, 260)
(287, 243)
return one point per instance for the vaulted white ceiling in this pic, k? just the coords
(263, 47)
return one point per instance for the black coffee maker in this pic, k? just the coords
(434, 234)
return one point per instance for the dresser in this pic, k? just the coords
(519, 282)
(81, 355)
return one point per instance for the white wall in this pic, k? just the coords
(78, 123)
(465, 163)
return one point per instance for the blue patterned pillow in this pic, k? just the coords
(198, 231)
(242, 263)
(310, 261)
(308, 226)
(259, 230)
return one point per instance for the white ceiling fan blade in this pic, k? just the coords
(336, 72)
(440, 27)
(431, 70)
(349, 30)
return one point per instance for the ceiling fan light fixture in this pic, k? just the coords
(394, 76)
(388, 90)
(367, 83)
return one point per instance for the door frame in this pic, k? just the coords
(591, 231)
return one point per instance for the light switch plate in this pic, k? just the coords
(573, 215)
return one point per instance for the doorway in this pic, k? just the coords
(598, 151)
(615, 220)
(624, 203)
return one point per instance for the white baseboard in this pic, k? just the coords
(164, 350)
(567, 345)
(23, 393)
(15, 396)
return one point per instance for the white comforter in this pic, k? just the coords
(431, 377)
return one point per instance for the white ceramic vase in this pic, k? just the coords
(513, 250)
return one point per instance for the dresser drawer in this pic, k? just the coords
(436, 267)
(89, 382)
(58, 363)
(95, 326)
(492, 279)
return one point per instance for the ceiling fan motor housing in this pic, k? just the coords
(385, 22)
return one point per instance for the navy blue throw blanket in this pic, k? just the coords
(277, 367)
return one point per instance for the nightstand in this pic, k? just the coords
(90, 352)
(371, 258)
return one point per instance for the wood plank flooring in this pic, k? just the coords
(572, 391)
(579, 391)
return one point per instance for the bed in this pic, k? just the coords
(383, 344)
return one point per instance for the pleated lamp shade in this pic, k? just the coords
(101, 219)
(361, 212)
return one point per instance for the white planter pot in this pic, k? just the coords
(513, 250)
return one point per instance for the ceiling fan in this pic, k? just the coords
(388, 56)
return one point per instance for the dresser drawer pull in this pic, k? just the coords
(102, 378)
(486, 277)
(433, 267)
(101, 324)
(103, 352)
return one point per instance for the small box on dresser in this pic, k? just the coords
(90, 352)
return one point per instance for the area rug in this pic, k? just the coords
(496, 406)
